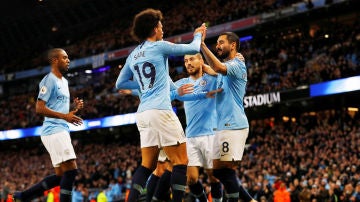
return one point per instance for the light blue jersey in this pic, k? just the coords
(55, 92)
(229, 102)
(200, 113)
(148, 63)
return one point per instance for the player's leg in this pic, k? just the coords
(69, 171)
(196, 160)
(178, 159)
(229, 146)
(142, 173)
(162, 191)
(60, 148)
(173, 142)
(149, 143)
(216, 189)
(155, 176)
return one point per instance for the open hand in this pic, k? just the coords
(185, 89)
(72, 118)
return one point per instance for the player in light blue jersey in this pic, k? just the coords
(54, 103)
(158, 125)
(200, 126)
(232, 125)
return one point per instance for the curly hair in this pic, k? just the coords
(144, 24)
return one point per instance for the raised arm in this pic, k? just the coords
(212, 60)
(182, 49)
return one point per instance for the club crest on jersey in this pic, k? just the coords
(43, 90)
(203, 82)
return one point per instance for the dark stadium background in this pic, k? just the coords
(29, 28)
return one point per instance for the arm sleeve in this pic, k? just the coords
(46, 86)
(181, 49)
(135, 93)
(123, 81)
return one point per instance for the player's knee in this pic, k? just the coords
(179, 161)
(191, 179)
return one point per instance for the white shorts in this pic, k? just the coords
(199, 150)
(59, 147)
(159, 128)
(162, 156)
(229, 145)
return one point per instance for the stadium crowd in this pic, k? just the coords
(274, 64)
(315, 158)
(115, 34)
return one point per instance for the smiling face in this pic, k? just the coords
(223, 47)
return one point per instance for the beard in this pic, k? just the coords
(64, 70)
(193, 71)
(223, 55)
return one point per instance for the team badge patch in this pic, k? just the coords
(203, 82)
(43, 90)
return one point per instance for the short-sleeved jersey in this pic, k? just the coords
(229, 103)
(148, 63)
(201, 113)
(55, 92)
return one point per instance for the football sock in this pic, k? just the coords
(178, 182)
(138, 183)
(66, 185)
(38, 189)
(151, 186)
(198, 191)
(227, 177)
(216, 191)
(163, 186)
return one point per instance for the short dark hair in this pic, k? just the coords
(232, 37)
(53, 53)
(144, 24)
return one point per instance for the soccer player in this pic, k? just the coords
(54, 103)
(232, 125)
(157, 123)
(201, 123)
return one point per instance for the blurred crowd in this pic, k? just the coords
(116, 33)
(274, 63)
(313, 158)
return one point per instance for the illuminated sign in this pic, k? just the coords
(261, 99)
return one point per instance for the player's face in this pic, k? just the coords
(192, 64)
(63, 62)
(223, 47)
(159, 32)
